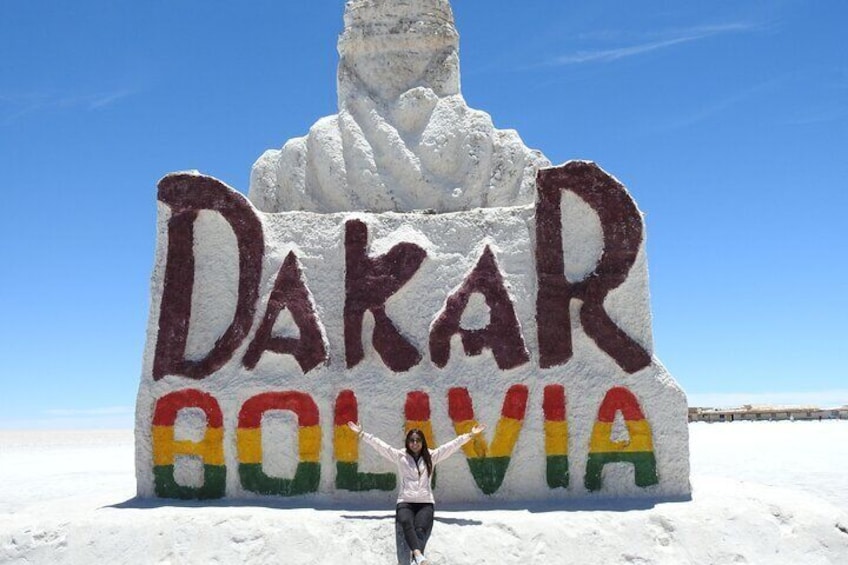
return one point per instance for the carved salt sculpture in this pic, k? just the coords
(404, 138)
(328, 296)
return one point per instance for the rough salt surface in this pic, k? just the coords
(78, 512)
(454, 243)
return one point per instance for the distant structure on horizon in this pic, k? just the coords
(750, 412)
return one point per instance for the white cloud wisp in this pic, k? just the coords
(672, 38)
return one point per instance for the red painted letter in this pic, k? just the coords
(622, 233)
(186, 195)
(502, 335)
(368, 284)
(289, 292)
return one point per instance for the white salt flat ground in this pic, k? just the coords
(765, 492)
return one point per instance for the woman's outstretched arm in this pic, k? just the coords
(444, 451)
(380, 446)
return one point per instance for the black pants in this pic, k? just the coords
(416, 520)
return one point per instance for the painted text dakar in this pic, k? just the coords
(370, 281)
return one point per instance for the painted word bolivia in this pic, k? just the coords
(310, 336)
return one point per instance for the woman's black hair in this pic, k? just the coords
(425, 451)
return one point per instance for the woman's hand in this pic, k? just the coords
(357, 429)
(478, 429)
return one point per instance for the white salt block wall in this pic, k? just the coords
(269, 330)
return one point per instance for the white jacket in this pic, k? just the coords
(414, 480)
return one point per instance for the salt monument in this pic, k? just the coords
(404, 264)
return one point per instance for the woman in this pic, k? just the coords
(415, 464)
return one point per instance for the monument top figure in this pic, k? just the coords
(404, 138)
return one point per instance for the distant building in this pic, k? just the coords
(766, 413)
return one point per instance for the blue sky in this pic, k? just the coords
(727, 121)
